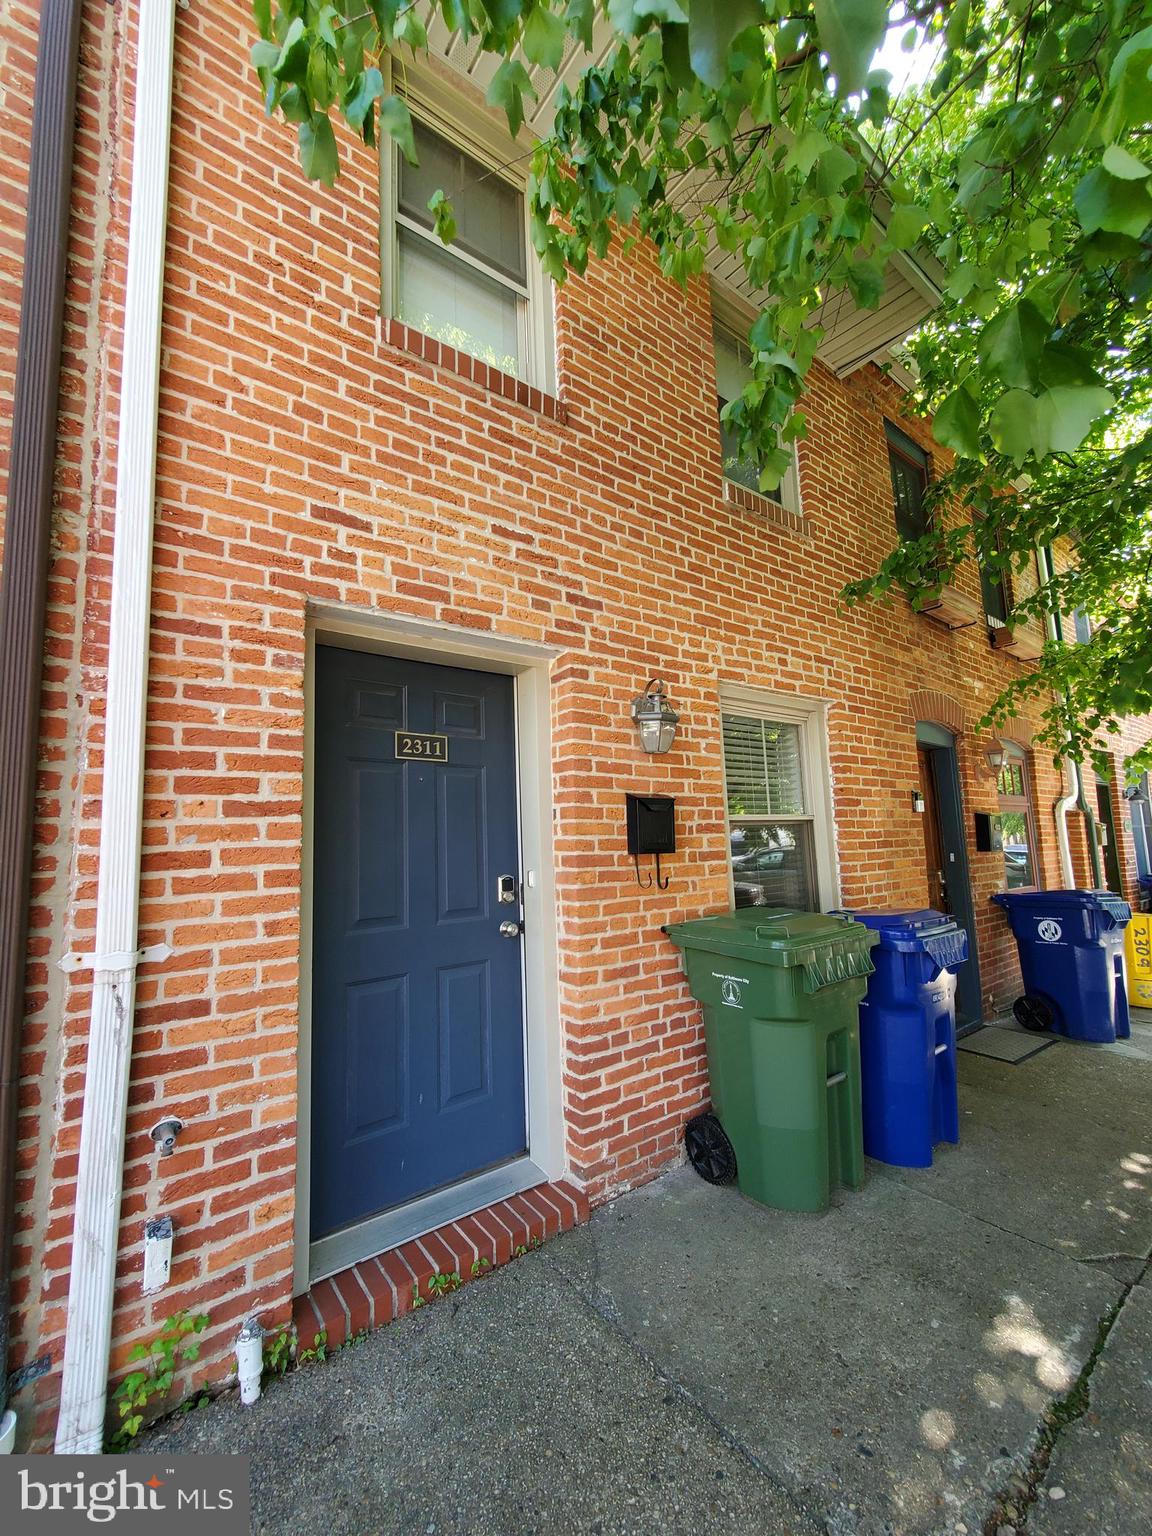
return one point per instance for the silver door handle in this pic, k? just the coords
(510, 930)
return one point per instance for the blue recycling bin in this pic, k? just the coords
(1071, 947)
(908, 1035)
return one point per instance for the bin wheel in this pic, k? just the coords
(709, 1150)
(1034, 1012)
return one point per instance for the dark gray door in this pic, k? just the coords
(953, 890)
(418, 1043)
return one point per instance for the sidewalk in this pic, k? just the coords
(689, 1362)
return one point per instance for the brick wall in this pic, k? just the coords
(303, 456)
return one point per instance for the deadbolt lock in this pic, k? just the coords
(506, 888)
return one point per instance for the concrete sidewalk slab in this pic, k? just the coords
(1057, 1149)
(1102, 1463)
(888, 1361)
(508, 1409)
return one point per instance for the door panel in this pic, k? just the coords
(946, 851)
(418, 1042)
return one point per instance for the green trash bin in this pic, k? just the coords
(780, 991)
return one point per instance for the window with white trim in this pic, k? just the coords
(779, 816)
(733, 372)
(484, 294)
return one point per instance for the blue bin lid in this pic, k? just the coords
(1093, 900)
(923, 929)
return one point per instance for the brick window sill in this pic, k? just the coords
(405, 338)
(754, 501)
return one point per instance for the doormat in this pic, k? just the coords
(1011, 1045)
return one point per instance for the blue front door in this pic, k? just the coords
(418, 1039)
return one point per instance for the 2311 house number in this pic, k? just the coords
(427, 748)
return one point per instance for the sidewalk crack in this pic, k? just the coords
(1013, 1507)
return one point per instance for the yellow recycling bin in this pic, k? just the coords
(1138, 954)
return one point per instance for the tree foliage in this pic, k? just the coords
(1022, 164)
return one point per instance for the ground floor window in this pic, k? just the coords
(779, 832)
(1016, 820)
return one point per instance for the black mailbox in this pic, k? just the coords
(989, 833)
(651, 824)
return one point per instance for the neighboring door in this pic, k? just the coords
(946, 856)
(1107, 826)
(417, 1009)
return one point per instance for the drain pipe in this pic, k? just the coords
(1072, 767)
(27, 531)
(83, 1393)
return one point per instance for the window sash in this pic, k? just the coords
(446, 113)
(1016, 804)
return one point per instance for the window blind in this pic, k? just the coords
(762, 767)
(489, 213)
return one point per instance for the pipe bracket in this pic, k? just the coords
(121, 960)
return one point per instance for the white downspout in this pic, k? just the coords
(83, 1392)
(1070, 769)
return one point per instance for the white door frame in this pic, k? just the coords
(529, 665)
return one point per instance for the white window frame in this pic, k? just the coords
(733, 319)
(448, 111)
(811, 716)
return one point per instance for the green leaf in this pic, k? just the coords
(292, 63)
(368, 89)
(1118, 162)
(905, 225)
(632, 16)
(1106, 202)
(1011, 343)
(1013, 423)
(264, 55)
(262, 11)
(1065, 415)
(712, 25)
(507, 89)
(850, 32)
(1061, 363)
(318, 153)
(956, 424)
(1128, 103)
(396, 121)
(544, 38)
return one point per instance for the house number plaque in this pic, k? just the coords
(428, 749)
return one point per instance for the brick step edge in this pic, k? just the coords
(378, 1290)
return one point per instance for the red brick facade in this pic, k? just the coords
(309, 454)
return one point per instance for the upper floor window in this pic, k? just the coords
(908, 466)
(733, 372)
(484, 294)
(1083, 625)
(994, 588)
(1016, 821)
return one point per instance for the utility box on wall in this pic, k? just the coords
(989, 833)
(651, 824)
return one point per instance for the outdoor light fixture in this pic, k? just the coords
(1135, 793)
(655, 718)
(918, 801)
(997, 756)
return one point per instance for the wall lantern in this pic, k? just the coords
(997, 755)
(655, 718)
(918, 804)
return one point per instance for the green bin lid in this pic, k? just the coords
(826, 947)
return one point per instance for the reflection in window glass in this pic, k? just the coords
(772, 865)
(1017, 854)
